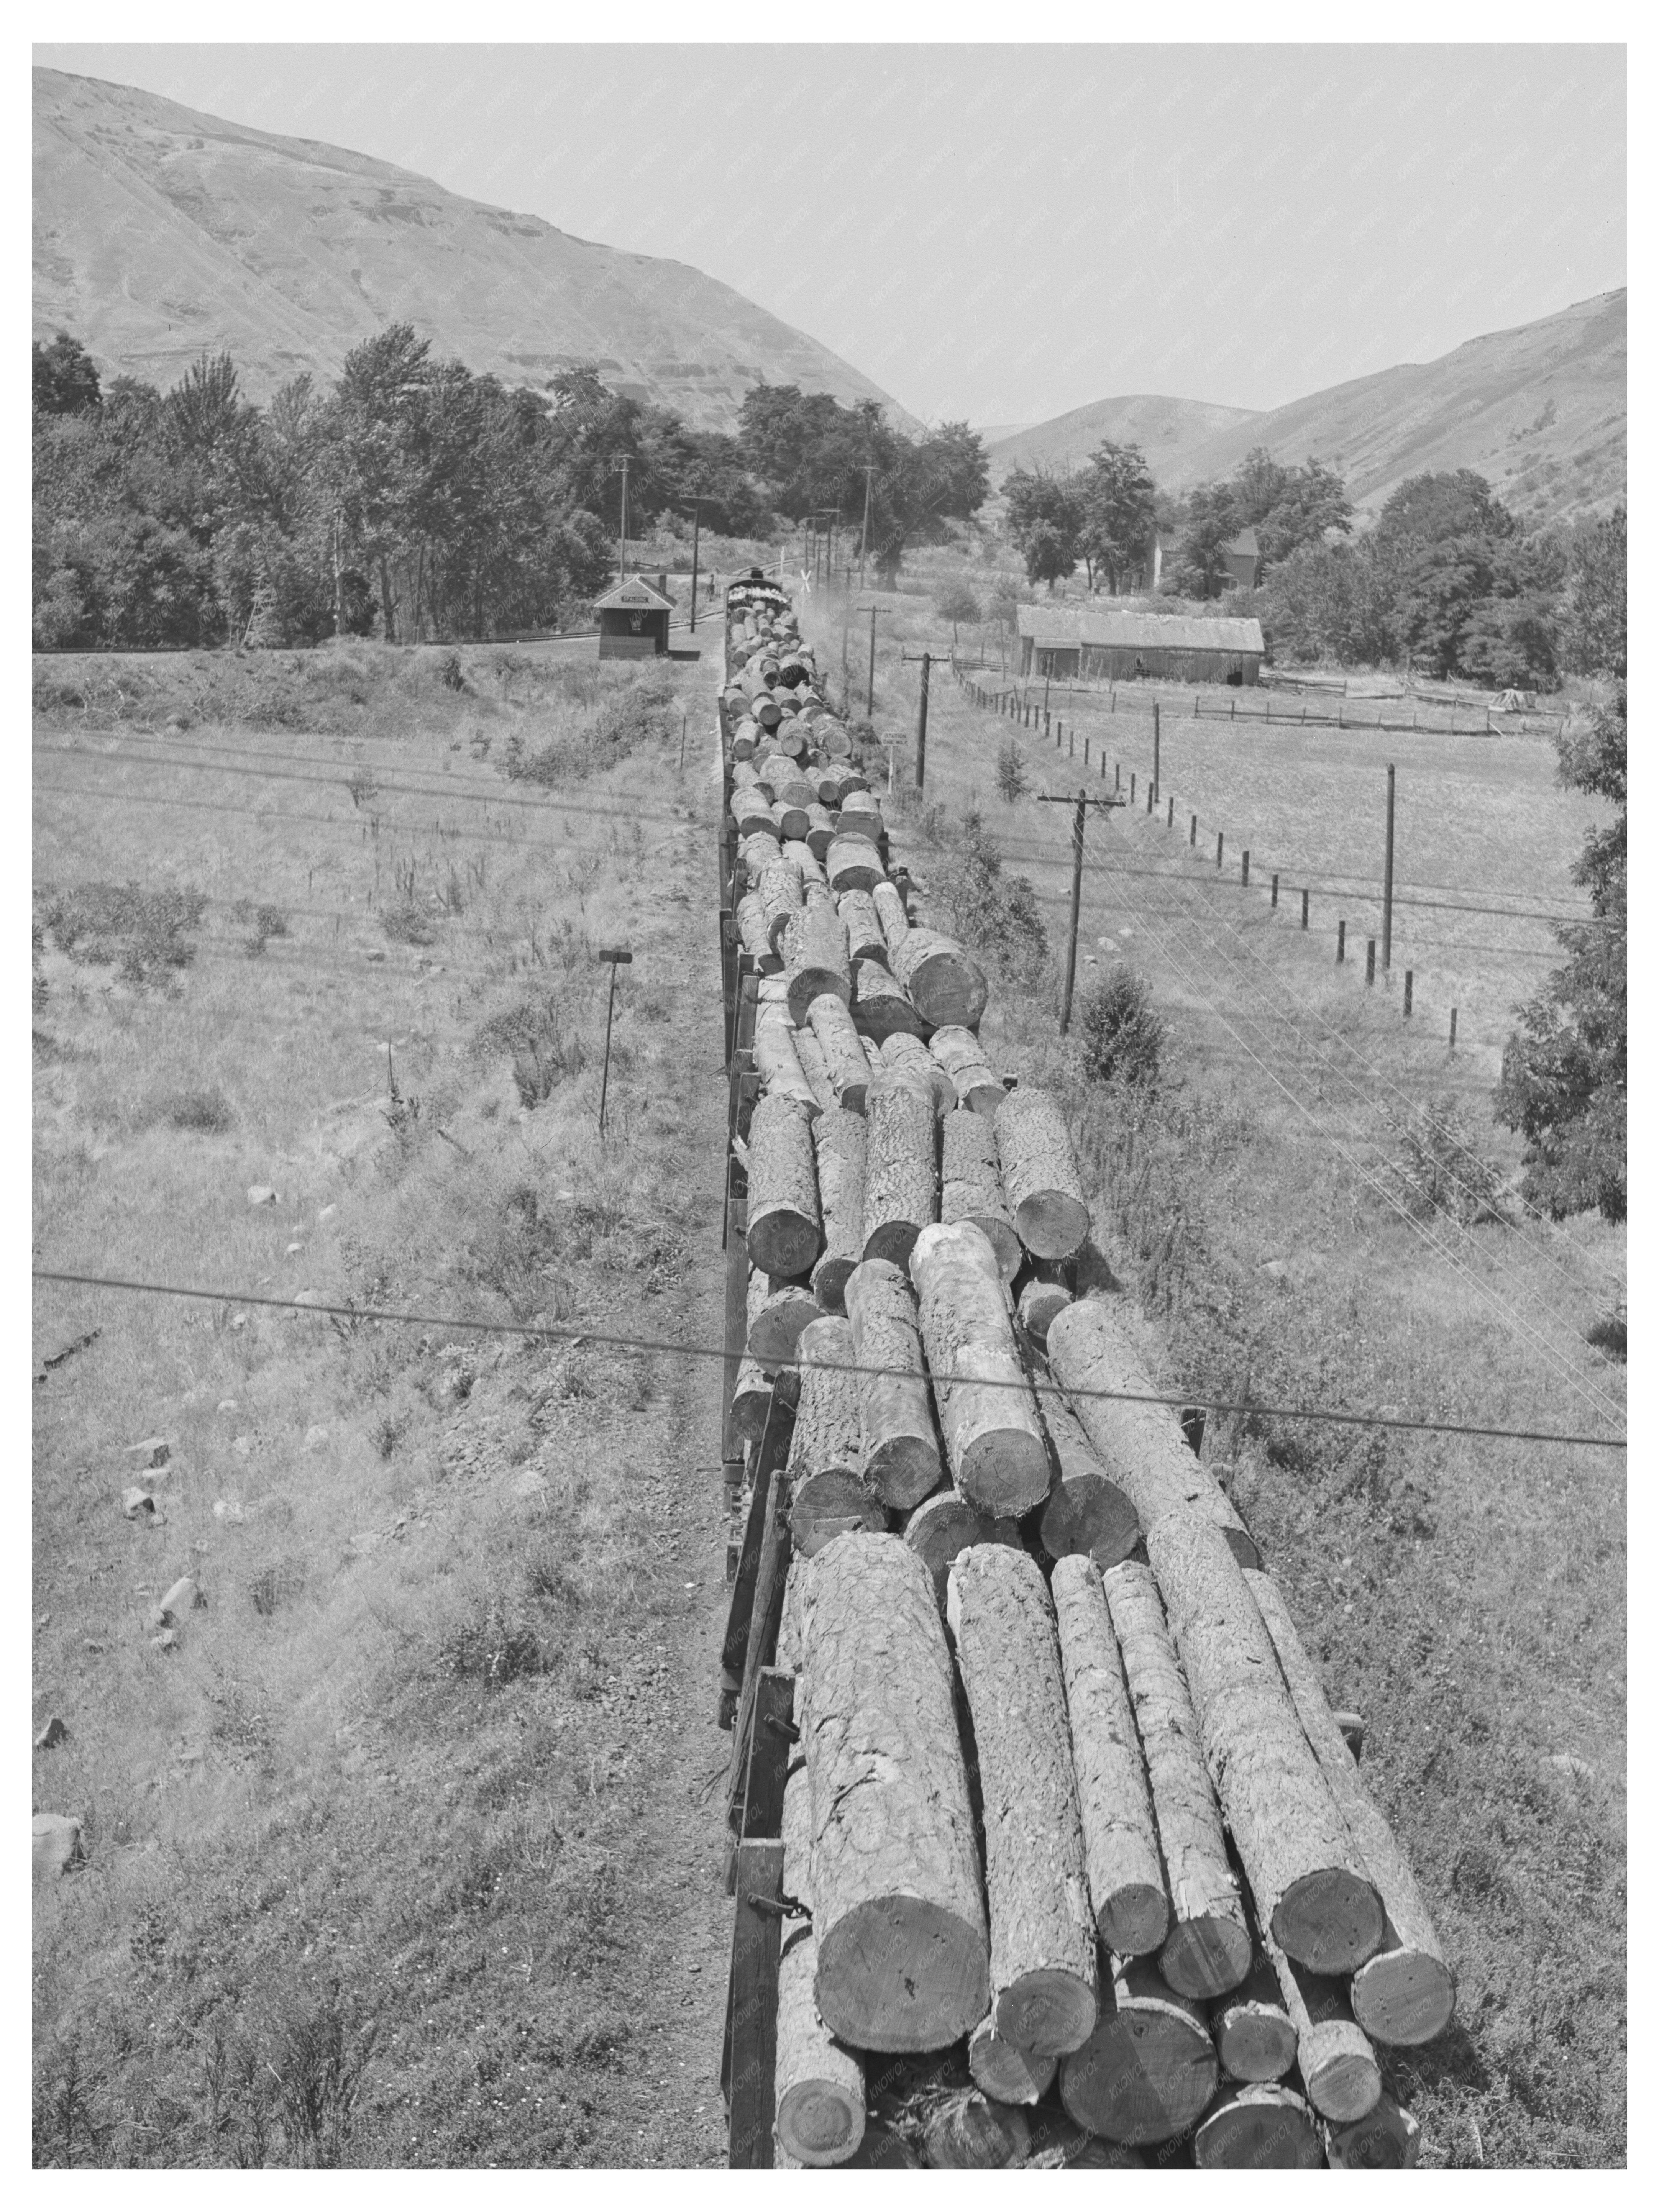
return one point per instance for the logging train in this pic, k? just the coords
(1069, 1860)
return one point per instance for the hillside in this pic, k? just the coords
(1166, 429)
(159, 232)
(1539, 410)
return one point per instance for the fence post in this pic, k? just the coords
(1071, 747)
(1150, 796)
(1305, 910)
(1407, 1010)
(1170, 823)
(1132, 787)
(1217, 847)
(1192, 834)
(1085, 751)
(1117, 775)
(1451, 1042)
(1244, 871)
(1371, 960)
(1342, 942)
(1274, 900)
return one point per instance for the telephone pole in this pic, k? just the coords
(620, 461)
(1387, 877)
(872, 610)
(863, 535)
(1083, 803)
(697, 528)
(927, 660)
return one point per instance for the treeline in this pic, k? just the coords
(1447, 577)
(414, 499)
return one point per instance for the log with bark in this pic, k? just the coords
(1040, 1174)
(889, 913)
(1044, 1293)
(852, 863)
(815, 956)
(903, 1462)
(898, 1910)
(946, 1525)
(864, 938)
(944, 984)
(753, 934)
(1255, 2036)
(900, 1170)
(1086, 1513)
(818, 2086)
(751, 1397)
(1126, 1869)
(810, 1054)
(1148, 2069)
(778, 1312)
(1007, 2074)
(1207, 1951)
(971, 1185)
(780, 777)
(784, 1232)
(751, 810)
(959, 1052)
(812, 868)
(820, 831)
(1092, 1347)
(1384, 2142)
(1405, 1992)
(1257, 2127)
(988, 1410)
(781, 893)
(838, 1140)
(908, 1057)
(1310, 1882)
(790, 821)
(1059, 2146)
(880, 1008)
(1043, 1968)
(1334, 2056)
(777, 1062)
(844, 1054)
(828, 1494)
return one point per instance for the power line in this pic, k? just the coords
(576, 1334)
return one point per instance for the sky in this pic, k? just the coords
(1000, 234)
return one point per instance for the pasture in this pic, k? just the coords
(400, 1856)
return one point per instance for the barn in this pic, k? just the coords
(1084, 642)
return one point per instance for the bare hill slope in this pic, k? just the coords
(159, 232)
(1166, 429)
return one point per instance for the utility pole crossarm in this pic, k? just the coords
(1083, 802)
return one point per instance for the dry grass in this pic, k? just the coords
(1468, 1596)
(398, 1858)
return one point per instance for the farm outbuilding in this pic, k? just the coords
(1067, 641)
(633, 620)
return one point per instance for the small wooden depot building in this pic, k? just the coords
(633, 621)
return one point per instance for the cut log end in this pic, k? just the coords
(939, 1999)
(971, 2132)
(1384, 2142)
(1051, 1223)
(829, 1281)
(1144, 2076)
(1047, 2012)
(1255, 2041)
(903, 1471)
(1329, 1921)
(1089, 1515)
(894, 1241)
(819, 2122)
(1404, 1997)
(1341, 2073)
(1004, 2071)
(1136, 1919)
(1258, 2129)
(1005, 1471)
(828, 1504)
(1207, 1955)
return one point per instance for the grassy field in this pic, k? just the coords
(1468, 1596)
(407, 1854)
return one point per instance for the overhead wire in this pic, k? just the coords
(576, 1334)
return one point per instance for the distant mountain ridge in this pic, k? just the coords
(1539, 410)
(160, 232)
(1166, 430)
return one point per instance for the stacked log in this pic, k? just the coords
(1086, 1513)
(828, 1494)
(1255, 2126)
(813, 1066)
(889, 913)
(838, 1139)
(818, 2086)
(971, 1186)
(1040, 1174)
(852, 863)
(1255, 2036)
(908, 1057)
(1044, 1293)
(900, 1170)
(780, 889)
(988, 1409)
(1148, 2070)
(945, 985)
(864, 938)
(785, 1231)
(944, 1525)
(1007, 2074)
(904, 1960)
(777, 1061)
(959, 1052)
(1042, 1934)
(879, 1006)
(815, 957)
(778, 1312)
(902, 1459)
(1334, 2056)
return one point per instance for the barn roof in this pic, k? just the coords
(634, 591)
(1138, 633)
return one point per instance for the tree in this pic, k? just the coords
(1563, 1080)
(1046, 522)
(1120, 513)
(1211, 524)
(1309, 502)
(65, 381)
(957, 605)
(1592, 615)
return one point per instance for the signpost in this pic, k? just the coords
(614, 957)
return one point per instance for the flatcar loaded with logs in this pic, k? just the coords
(1046, 1848)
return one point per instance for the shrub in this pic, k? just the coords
(209, 1113)
(1122, 1038)
(494, 1646)
(990, 911)
(262, 924)
(1437, 1170)
(1012, 780)
(449, 672)
(140, 933)
(545, 1052)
